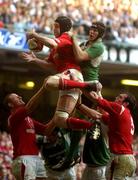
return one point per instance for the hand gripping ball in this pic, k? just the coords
(35, 45)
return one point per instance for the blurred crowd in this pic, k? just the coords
(121, 17)
(6, 152)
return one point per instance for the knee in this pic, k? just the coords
(60, 119)
(51, 82)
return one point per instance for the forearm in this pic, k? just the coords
(49, 42)
(34, 101)
(91, 113)
(76, 48)
(43, 63)
(89, 96)
(80, 55)
(40, 128)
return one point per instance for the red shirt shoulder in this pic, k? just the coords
(63, 57)
(18, 115)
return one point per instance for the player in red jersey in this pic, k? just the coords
(26, 161)
(63, 60)
(121, 130)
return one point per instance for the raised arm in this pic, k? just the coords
(81, 55)
(91, 113)
(92, 51)
(31, 57)
(35, 100)
(49, 42)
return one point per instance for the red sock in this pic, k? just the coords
(75, 123)
(65, 84)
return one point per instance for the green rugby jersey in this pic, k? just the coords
(95, 152)
(90, 68)
(52, 153)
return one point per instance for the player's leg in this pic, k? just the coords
(24, 168)
(61, 83)
(69, 122)
(18, 169)
(65, 107)
(75, 139)
(66, 102)
(94, 173)
(125, 166)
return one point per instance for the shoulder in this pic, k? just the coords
(98, 44)
(19, 112)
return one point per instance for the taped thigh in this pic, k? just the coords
(66, 103)
(61, 114)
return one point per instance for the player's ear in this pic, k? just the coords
(10, 104)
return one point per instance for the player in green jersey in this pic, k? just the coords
(53, 149)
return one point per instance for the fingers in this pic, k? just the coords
(94, 95)
(22, 55)
(70, 33)
(33, 54)
(99, 86)
(30, 35)
(91, 95)
(27, 56)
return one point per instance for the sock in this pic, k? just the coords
(75, 123)
(65, 84)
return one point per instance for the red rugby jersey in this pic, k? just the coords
(121, 127)
(23, 131)
(63, 57)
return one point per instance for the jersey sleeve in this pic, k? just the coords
(95, 51)
(110, 107)
(39, 128)
(19, 115)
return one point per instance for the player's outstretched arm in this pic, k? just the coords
(91, 113)
(35, 100)
(80, 54)
(49, 42)
(31, 57)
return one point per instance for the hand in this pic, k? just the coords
(29, 57)
(70, 33)
(93, 95)
(99, 86)
(31, 35)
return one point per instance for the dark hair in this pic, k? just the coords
(100, 27)
(65, 23)
(131, 101)
(6, 101)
